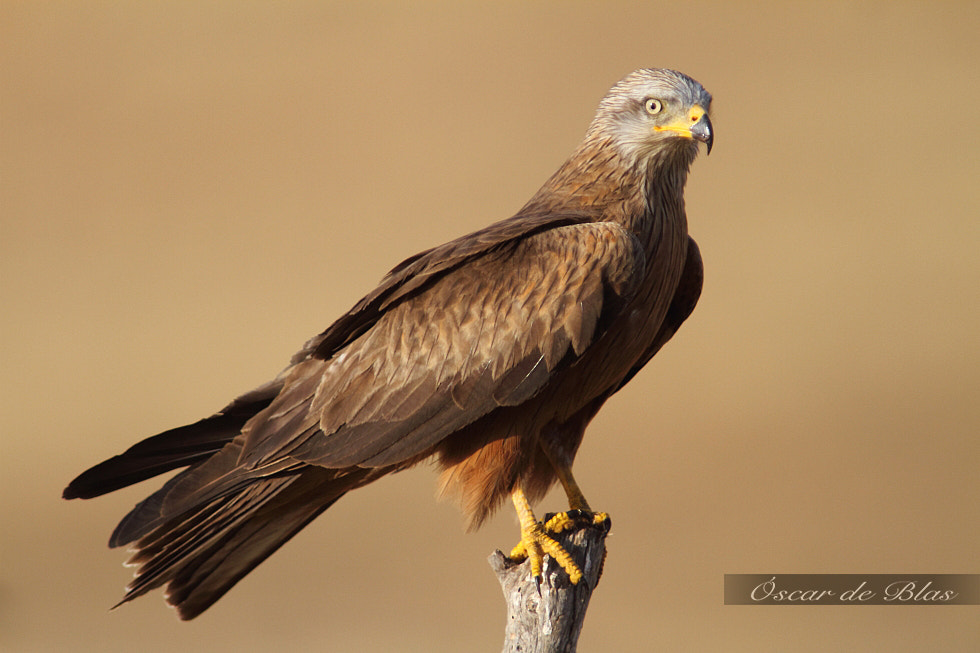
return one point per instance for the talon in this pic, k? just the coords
(572, 519)
(536, 543)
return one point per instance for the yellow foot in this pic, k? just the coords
(567, 521)
(536, 542)
(573, 519)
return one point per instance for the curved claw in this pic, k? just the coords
(535, 544)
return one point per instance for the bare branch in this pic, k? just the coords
(549, 618)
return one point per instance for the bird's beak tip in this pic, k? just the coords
(702, 131)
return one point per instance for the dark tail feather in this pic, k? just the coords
(210, 525)
(179, 447)
(202, 553)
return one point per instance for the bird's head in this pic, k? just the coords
(654, 110)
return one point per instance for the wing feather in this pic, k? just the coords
(681, 306)
(492, 333)
(415, 272)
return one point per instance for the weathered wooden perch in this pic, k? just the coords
(549, 619)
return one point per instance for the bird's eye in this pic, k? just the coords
(654, 106)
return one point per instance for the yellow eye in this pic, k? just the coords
(653, 106)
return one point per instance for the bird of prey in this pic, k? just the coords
(489, 354)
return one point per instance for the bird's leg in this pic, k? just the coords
(579, 509)
(576, 500)
(535, 542)
(580, 513)
(535, 539)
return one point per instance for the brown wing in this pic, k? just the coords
(449, 335)
(681, 306)
(418, 271)
(446, 352)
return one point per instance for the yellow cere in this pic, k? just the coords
(683, 127)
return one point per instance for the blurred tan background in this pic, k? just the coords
(190, 191)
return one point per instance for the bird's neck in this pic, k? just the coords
(643, 194)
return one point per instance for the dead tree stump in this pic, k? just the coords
(549, 618)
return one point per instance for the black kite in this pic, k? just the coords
(490, 353)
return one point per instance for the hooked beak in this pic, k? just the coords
(695, 124)
(701, 131)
